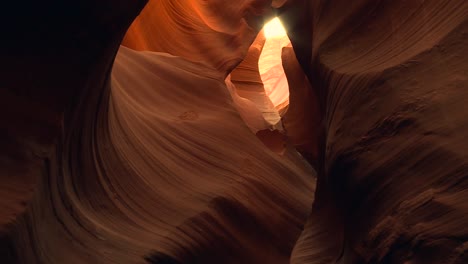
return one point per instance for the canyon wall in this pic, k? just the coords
(141, 158)
(391, 78)
(142, 153)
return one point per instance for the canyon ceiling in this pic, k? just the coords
(178, 131)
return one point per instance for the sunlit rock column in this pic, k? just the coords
(270, 65)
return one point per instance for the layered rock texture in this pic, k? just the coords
(176, 131)
(391, 79)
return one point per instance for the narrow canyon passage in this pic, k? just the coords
(250, 131)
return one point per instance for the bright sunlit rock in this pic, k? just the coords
(274, 29)
(270, 65)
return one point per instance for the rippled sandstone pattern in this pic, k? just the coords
(391, 78)
(152, 163)
(158, 162)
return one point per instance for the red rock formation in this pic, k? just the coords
(215, 32)
(182, 149)
(391, 78)
(156, 164)
(156, 159)
(248, 87)
(272, 73)
(247, 80)
(50, 53)
(302, 120)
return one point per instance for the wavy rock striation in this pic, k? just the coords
(217, 33)
(113, 155)
(149, 173)
(391, 80)
(152, 163)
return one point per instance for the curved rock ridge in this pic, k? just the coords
(163, 159)
(247, 109)
(391, 79)
(175, 130)
(215, 32)
(249, 85)
(168, 170)
(50, 54)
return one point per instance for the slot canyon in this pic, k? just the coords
(234, 131)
